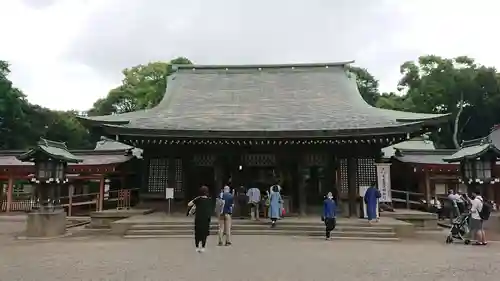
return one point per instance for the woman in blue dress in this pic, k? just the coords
(275, 203)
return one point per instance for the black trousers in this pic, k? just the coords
(329, 225)
(201, 232)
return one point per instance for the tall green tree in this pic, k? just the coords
(22, 123)
(460, 86)
(367, 84)
(13, 107)
(143, 86)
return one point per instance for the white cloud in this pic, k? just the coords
(37, 39)
(67, 53)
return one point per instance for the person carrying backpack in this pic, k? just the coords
(480, 212)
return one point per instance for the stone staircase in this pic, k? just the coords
(344, 230)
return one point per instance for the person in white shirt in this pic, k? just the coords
(453, 198)
(254, 200)
(476, 223)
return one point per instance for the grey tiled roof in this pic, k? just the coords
(423, 156)
(88, 158)
(106, 144)
(53, 149)
(475, 148)
(284, 98)
(417, 143)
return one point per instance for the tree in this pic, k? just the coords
(13, 106)
(58, 125)
(470, 92)
(367, 84)
(22, 124)
(143, 86)
(395, 102)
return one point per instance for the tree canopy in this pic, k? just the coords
(143, 86)
(22, 124)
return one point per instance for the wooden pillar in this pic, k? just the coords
(427, 187)
(301, 186)
(10, 187)
(352, 171)
(101, 193)
(219, 180)
(144, 167)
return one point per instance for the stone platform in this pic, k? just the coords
(421, 220)
(103, 219)
(46, 223)
(159, 225)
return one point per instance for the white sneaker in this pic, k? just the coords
(198, 250)
(202, 250)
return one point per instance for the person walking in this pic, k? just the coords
(254, 202)
(242, 200)
(275, 203)
(329, 214)
(371, 197)
(203, 213)
(225, 220)
(453, 203)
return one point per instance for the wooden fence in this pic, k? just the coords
(121, 199)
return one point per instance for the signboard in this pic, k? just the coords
(384, 181)
(106, 191)
(169, 193)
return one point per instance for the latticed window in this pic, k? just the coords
(158, 175)
(259, 160)
(367, 171)
(344, 189)
(178, 188)
(315, 160)
(204, 160)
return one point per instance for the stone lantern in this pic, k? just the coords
(50, 159)
(477, 160)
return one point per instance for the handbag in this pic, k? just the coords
(191, 211)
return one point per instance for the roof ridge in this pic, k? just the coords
(247, 66)
(50, 143)
(415, 151)
(473, 142)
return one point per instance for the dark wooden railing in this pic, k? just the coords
(407, 197)
(121, 199)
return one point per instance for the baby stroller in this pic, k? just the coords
(459, 229)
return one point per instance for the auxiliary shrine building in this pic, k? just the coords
(305, 126)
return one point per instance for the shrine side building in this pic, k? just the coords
(305, 126)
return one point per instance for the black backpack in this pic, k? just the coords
(485, 212)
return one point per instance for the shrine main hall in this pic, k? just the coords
(304, 126)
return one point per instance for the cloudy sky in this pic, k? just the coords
(67, 53)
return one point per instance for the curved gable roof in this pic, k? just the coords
(309, 99)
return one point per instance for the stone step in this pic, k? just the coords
(335, 233)
(190, 236)
(317, 227)
(262, 222)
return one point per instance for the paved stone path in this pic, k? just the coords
(250, 258)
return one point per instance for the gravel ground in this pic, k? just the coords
(250, 258)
